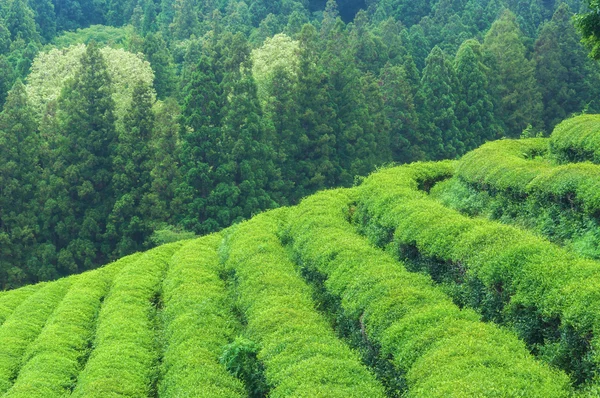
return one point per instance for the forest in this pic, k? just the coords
(131, 123)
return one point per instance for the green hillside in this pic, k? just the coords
(437, 279)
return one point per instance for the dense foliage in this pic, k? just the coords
(234, 314)
(206, 113)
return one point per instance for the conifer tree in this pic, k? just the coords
(185, 20)
(84, 163)
(406, 141)
(438, 95)
(166, 172)
(45, 18)
(20, 174)
(4, 38)
(474, 109)
(418, 45)
(512, 77)
(566, 79)
(6, 78)
(130, 222)
(20, 21)
(316, 138)
(156, 52)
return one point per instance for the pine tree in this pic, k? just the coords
(474, 109)
(437, 114)
(4, 38)
(130, 222)
(281, 114)
(185, 21)
(315, 151)
(246, 168)
(20, 21)
(84, 163)
(564, 74)
(156, 52)
(45, 18)
(20, 174)
(418, 46)
(512, 77)
(6, 78)
(406, 142)
(166, 173)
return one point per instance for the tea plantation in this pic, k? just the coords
(471, 278)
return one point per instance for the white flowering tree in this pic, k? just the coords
(51, 70)
(279, 52)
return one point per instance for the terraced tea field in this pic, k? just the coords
(469, 278)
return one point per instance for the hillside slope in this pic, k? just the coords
(395, 287)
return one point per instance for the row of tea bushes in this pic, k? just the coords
(125, 357)
(53, 361)
(509, 167)
(11, 299)
(301, 354)
(443, 351)
(577, 139)
(548, 294)
(24, 325)
(197, 324)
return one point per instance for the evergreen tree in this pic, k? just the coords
(185, 20)
(20, 21)
(246, 170)
(45, 18)
(226, 160)
(200, 132)
(369, 52)
(330, 16)
(166, 173)
(512, 77)
(130, 222)
(316, 138)
(4, 38)
(119, 12)
(6, 78)
(281, 116)
(156, 52)
(393, 34)
(418, 45)
(438, 96)
(84, 163)
(562, 70)
(406, 142)
(20, 174)
(474, 109)
(149, 24)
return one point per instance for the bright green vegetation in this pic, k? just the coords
(511, 276)
(528, 183)
(301, 354)
(130, 123)
(577, 139)
(410, 319)
(296, 302)
(197, 323)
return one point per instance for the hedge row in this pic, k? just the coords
(24, 325)
(507, 166)
(549, 295)
(302, 355)
(443, 351)
(11, 299)
(53, 361)
(125, 356)
(577, 139)
(197, 325)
